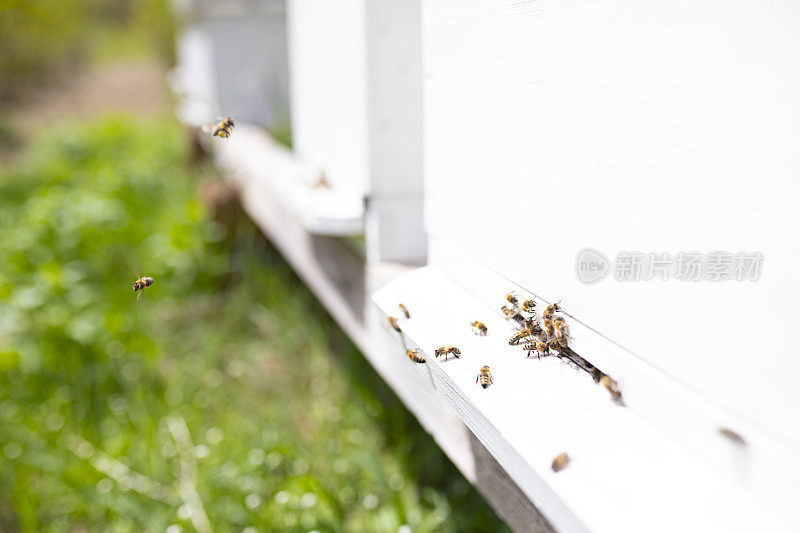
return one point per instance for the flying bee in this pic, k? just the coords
(560, 462)
(140, 284)
(447, 350)
(479, 328)
(223, 128)
(404, 309)
(511, 298)
(529, 306)
(394, 324)
(611, 387)
(484, 377)
(415, 356)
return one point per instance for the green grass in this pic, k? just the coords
(288, 428)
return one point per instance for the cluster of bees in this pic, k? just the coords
(484, 377)
(223, 130)
(551, 333)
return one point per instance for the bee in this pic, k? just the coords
(394, 324)
(533, 326)
(561, 332)
(445, 350)
(484, 377)
(542, 337)
(551, 310)
(537, 346)
(562, 338)
(553, 345)
(512, 299)
(322, 182)
(140, 284)
(223, 128)
(549, 329)
(512, 314)
(479, 328)
(611, 387)
(529, 306)
(415, 356)
(404, 309)
(560, 462)
(732, 436)
(517, 337)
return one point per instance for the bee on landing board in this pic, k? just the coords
(539, 347)
(394, 324)
(551, 310)
(518, 336)
(560, 462)
(561, 332)
(322, 182)
(140, 284)
(404, 309)
(479, 328)
(732, 436)
(511, 298)
(415, 356)
(224, 128)
(447, 350)
(529, 306)
(484, 377)
(612, 388)
(513, 314)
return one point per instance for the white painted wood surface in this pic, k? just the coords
(551, 126)
(624, 474)
(327, 67)
(232, 61)
(356, 79)
(394, 66)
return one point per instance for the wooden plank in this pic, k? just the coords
(623, 471)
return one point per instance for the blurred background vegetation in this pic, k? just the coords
(226, 398)
(41, 40)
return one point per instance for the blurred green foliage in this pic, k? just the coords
(289, 427)
(40, 38)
